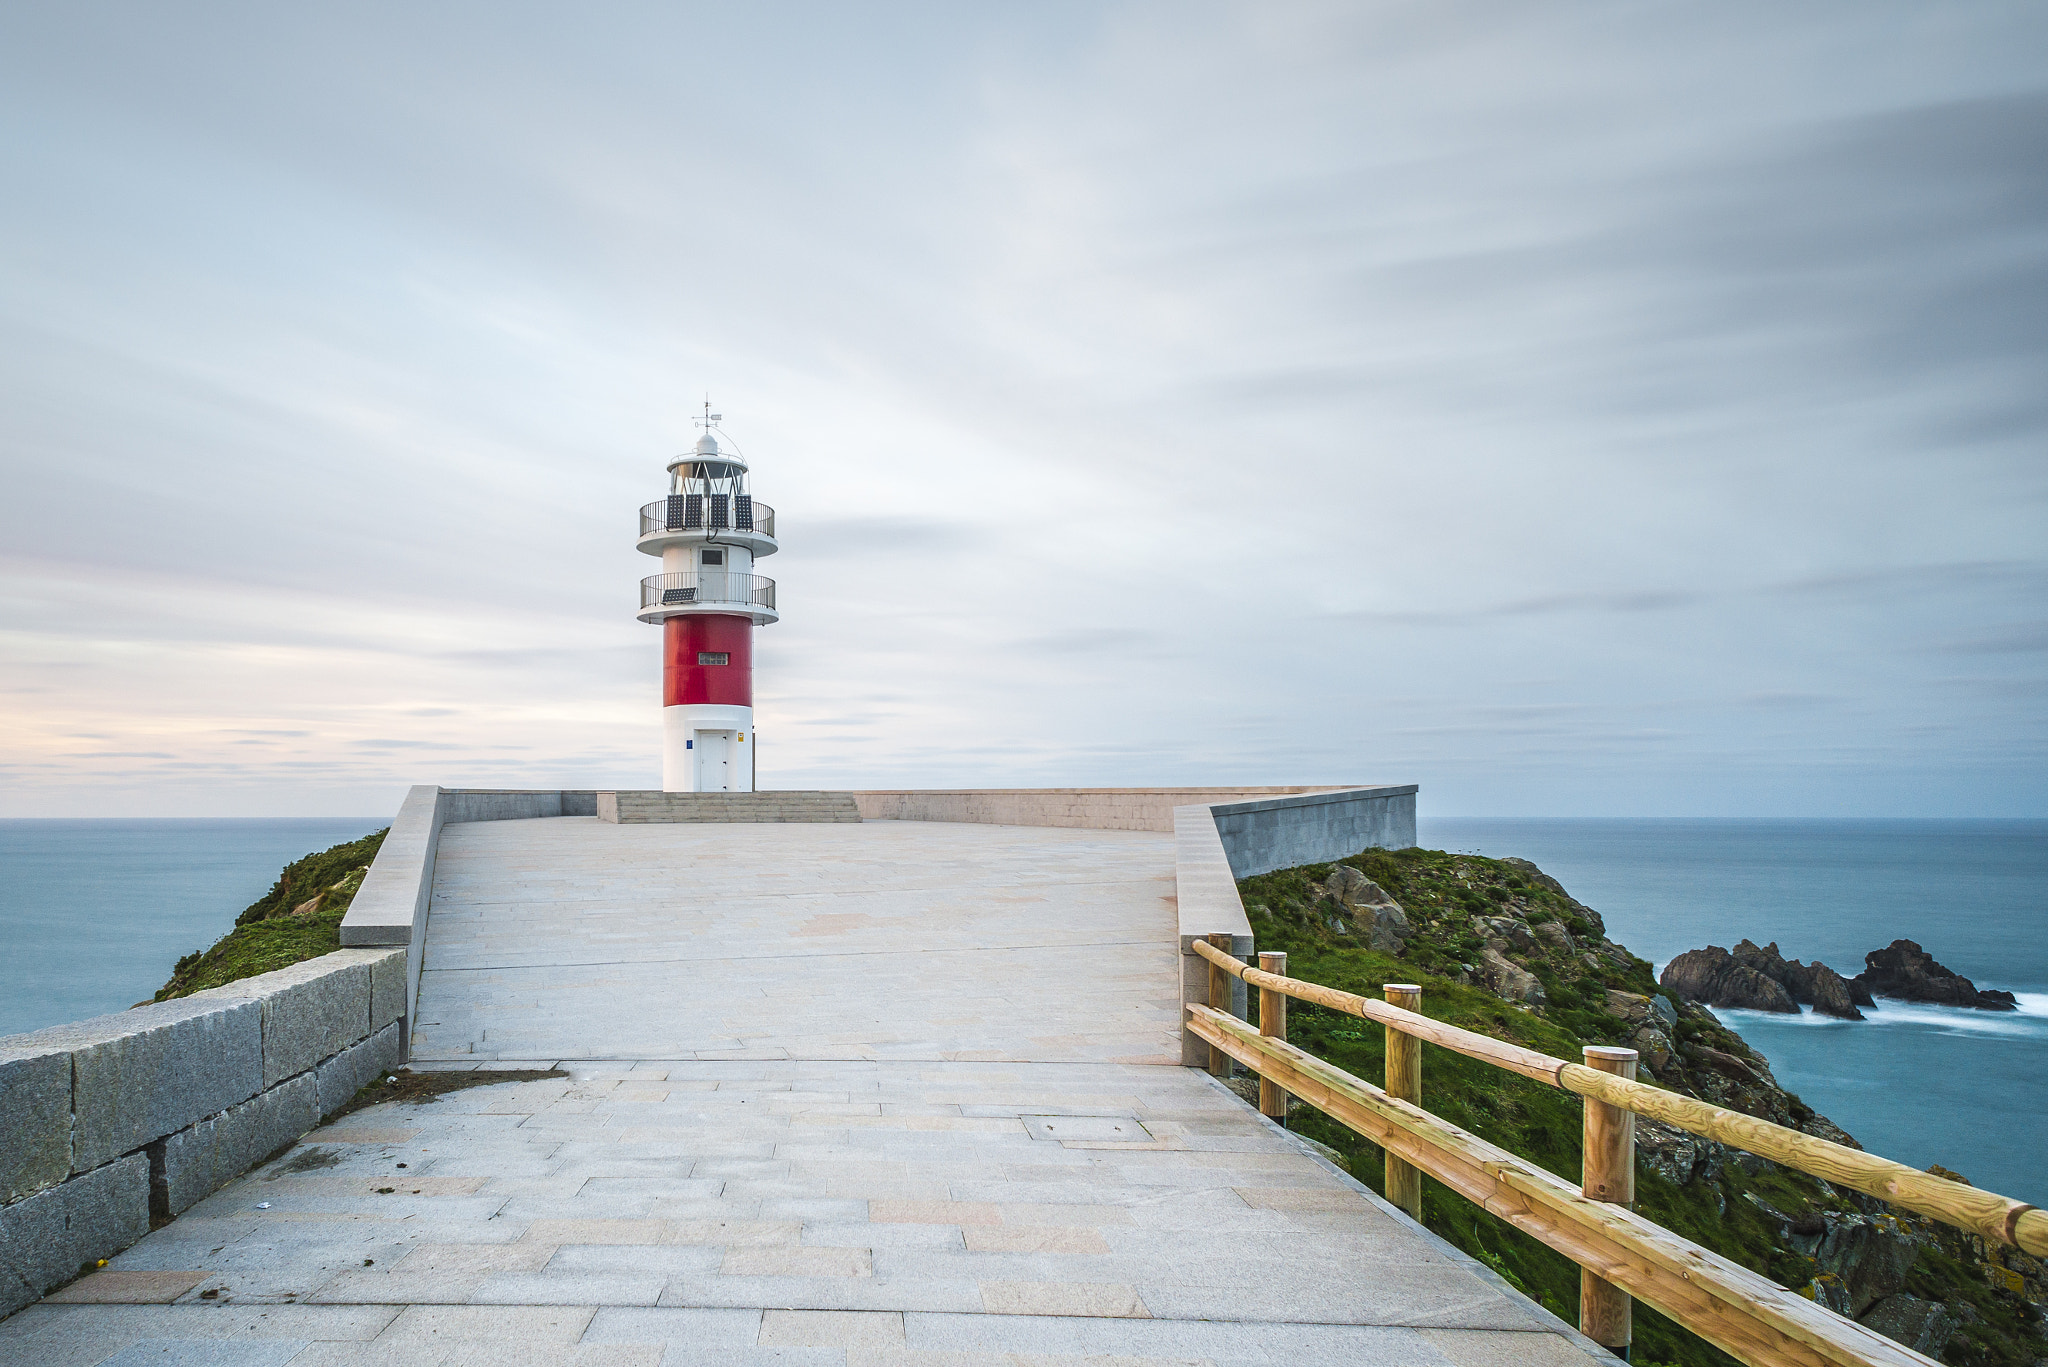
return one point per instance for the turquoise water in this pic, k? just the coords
(1922, 1084)
(93, 913)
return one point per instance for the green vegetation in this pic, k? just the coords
(1741, 1209)
(299, 918)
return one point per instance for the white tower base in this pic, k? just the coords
(707, 748)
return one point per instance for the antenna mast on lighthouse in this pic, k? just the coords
(707, 600)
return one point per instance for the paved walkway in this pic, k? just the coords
(894, 1093)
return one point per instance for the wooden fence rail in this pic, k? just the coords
(1622, 1254)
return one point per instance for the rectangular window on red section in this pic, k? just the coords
(714, 657)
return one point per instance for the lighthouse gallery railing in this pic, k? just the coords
(671, 590)
(707, 512)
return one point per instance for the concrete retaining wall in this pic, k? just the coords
(391, 906)
(107, 1122)
(1310, 828)
(1215, 844)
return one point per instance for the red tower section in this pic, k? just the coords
(707, 658)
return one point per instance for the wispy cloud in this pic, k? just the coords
(1627, 401)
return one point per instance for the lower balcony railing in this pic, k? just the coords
(706, 586)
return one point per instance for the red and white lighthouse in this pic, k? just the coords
(707, 600)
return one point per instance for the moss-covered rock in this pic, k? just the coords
(1503, 949)
(299, 918)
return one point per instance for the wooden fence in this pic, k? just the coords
(1622, 1256)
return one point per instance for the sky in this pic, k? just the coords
(1587, 409)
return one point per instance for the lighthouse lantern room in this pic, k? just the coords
(707, 600)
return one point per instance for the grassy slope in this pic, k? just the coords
(299, 918)
(1440, 892)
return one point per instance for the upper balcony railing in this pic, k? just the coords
(707, 586)
(707, 512)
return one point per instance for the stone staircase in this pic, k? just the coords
(645, 806)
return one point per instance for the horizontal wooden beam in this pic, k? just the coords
(1744, 1314)
(1999, 1219)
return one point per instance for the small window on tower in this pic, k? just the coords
(714, 657)
(714, 557)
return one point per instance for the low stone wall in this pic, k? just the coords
(391, 906)
(110, 1122)
(1206, 893)
(1102, 809)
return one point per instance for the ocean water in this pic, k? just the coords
(93, 913)
(1920, 1084)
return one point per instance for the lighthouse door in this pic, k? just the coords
(714, 761)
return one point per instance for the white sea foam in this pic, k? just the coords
(2030, 1020)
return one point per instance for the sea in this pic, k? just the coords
(1921, 1084)
(93, 913)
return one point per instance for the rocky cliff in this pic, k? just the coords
(1501, 947)
(298, 919)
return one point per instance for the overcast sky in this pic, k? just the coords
(1573, 409)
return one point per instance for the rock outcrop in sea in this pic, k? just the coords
(1750, 978)
(1908, 972)
(1753, 978)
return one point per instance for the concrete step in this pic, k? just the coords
(635, 807)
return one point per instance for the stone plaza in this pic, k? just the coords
(893, 1092)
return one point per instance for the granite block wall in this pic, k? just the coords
(35, 1119)
(45, 1239)
(107, 1122)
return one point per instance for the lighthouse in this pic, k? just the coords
(707, 600)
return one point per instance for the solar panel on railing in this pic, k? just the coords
(718, 510)
(675, 512)
(743, 512)
(678, 596)
(693, 510)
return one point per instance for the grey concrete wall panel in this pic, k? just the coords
(1313, 828)
(387, 988)
(311, 1011)
(1217, 844)
(1104, 809)
(341, 1076)
(149, 1072)
(579, 804)
(193, 1164)
(45, 1238)
(485, 804)
(35, 1118)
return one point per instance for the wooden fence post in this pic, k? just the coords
(1606, 1312)
(1273, 1025)
(1219, 998)
(1404, 1082)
